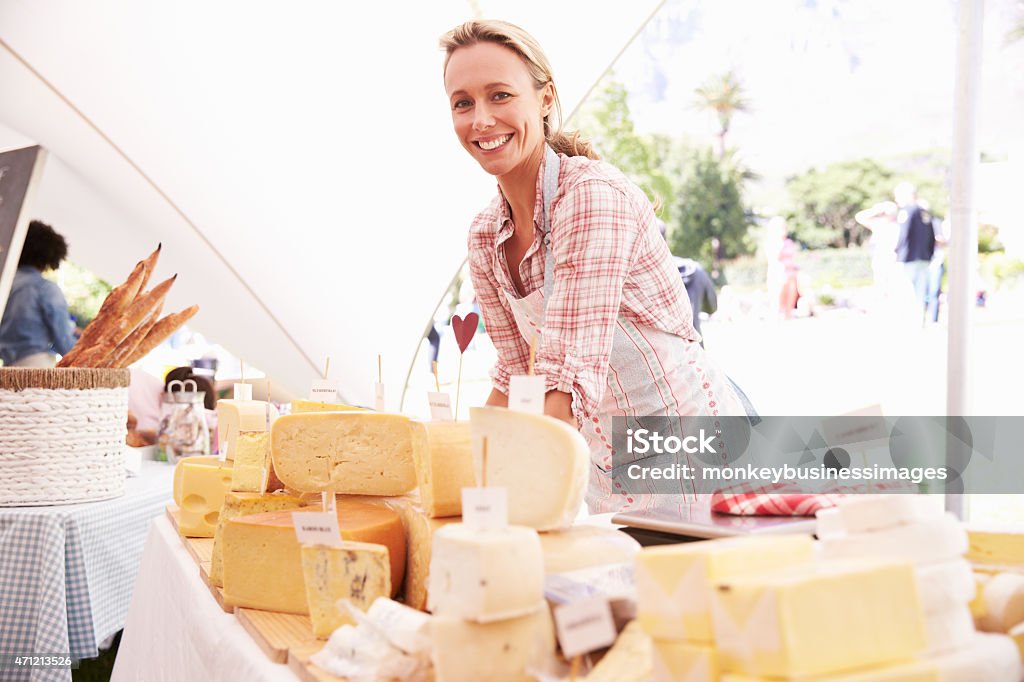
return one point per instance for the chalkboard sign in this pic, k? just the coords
(20, 170)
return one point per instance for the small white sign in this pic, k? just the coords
(526, 393)
(222, 453)
(329, 502)
(317, 528)
(584, 626)
(378, 398)
(440, 407)
(323, 391)
(485, 508)
(243, 392)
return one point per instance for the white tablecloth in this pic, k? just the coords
(176, 631)
(66, 572)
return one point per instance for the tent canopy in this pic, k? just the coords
(296, 160)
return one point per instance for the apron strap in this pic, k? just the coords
(551, 166)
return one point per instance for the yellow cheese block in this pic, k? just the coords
(818, 619)
(586, 546)
(262, 558)
(241, 415)
(199, 487)
(995, 546)
(302, 406)
(674, 582)
(493, 652)
(356, 571)
(629, 659)
(684, 661)
(360, 453)
(444, 465)
(243, 504)
(252, 462)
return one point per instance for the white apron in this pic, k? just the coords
(650, 372)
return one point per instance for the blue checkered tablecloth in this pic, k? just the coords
(66, 572)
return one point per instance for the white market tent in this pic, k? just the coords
(296, 160)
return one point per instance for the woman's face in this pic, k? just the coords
(497, 113)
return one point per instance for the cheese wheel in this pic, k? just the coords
(862, 513)
(242, 504)
(939, 539)
(502, 651)
(360, 453)
(444, 465)
(262, 558)
(302, 406)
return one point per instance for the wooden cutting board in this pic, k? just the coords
(299, 663)
(277, 633)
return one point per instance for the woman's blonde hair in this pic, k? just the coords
(528, 49)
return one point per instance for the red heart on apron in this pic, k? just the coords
(464, 329)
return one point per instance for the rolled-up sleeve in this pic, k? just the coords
(595, 240)
(55, 312)
(513, 353)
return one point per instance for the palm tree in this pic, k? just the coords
(722, 94)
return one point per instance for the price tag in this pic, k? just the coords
(317, 528)
(526, 393)
(243, 392)
(222, 454)
(378, 398)
(584, 626)
(440, 407)
(485, 508)
(323, 391)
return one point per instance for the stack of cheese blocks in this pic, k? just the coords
(675, 591)
(911, 530)
(997, 556)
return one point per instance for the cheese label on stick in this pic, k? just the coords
(378, 398)
(485, 508)
(440, 406)
(526, 393)
(584, 626)
(323, 391)
(243, 392)
(317, 528)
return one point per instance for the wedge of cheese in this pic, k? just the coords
(939, 539)
(359, 453)
(542, 462)
(586, 546)
(357, 571)
(485, 575)
(262, 557)
(819, 619)
(241, 415)
(686, 661)
(502, 651)
(303, 406)
(999, 546)
(629, 660)
(199, 487)
(243, 504)
(674, 583)
(444, 465)
(252, 462)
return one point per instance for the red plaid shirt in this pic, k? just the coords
(609, 259)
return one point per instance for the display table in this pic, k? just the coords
(176, 631)
(67, 571)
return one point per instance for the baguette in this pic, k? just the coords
(116, 302)
(160, 331)
(150, 263)
(116, 330)
(125, 348)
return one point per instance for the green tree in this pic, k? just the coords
(711, 211)
(723, 95)
(824, 202)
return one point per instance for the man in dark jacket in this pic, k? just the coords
(916, 242)
(699, 288)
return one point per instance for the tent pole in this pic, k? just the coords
(963, 246)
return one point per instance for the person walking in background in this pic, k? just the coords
(881, 220)
(36, 324)
(790, 292)
(915, 246)
(699, 289)
(937, 267)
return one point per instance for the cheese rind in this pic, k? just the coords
(585, 546)
(939, 539)
(818, 619)
(444, 465)
(674, 583)
(263, 562)
(357, 571)
(684, 661)
(252, 462)
(305, 406)
(359, 453)
(419, 539)
(502, 651)
(485, 575)
(241, 415)
(243, 504)
(199, 487)
(542, 462)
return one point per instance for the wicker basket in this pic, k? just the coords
(62, 435)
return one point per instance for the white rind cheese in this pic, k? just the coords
(542, 462)
(945, 585)
(948, 630)
(939, 539)
(862, 513)
(585, 546)
(502, 651)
